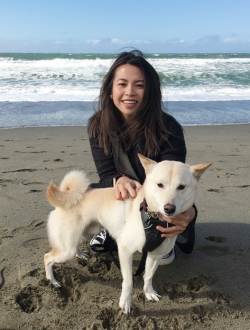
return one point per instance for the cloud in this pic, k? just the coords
(129, 42)
(117, 41)
(212, 39)
(174, 41)
(58, 42)
(231, 40)
(209, 43)
(101, 41)
(94, 41)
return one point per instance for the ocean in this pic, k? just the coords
(62, 89)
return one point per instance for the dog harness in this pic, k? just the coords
(150, 221)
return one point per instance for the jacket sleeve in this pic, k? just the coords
(105, 165)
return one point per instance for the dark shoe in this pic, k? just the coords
(102, 242)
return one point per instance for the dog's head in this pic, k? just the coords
(170, 186)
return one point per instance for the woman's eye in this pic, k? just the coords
(140, 86)
(181, 187)
(160, 185)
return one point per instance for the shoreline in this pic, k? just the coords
(58, 126)
(188, 113)
(201, 290)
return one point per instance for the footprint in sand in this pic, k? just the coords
(5, 234)
(214, 190)
(3, 182)
(34, 242)
(31, 152)
(34, 191)
(201, 297)
(34, 182)
(21, 170)
(188, 289)
(53, 160)
(215, 251)
(243, 186)
(99, 265)
(216, 239)
(29, 299)
(2, 278)
(32, 298)
(33, 226)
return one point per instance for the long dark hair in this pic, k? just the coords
(145, 125)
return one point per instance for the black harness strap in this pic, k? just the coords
(150, 221)
(141, 266)
(142, 263)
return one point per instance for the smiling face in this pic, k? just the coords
(128, 89)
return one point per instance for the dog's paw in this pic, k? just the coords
(125, 305)
(55, 284)
(82, 255)
(152, 295)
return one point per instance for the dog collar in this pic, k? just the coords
(150, 221)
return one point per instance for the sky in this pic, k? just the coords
(108, 26)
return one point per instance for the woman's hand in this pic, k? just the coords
(125, 188)
(179, 222)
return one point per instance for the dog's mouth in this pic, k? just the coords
(169, 209)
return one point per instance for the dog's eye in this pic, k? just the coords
(181, 187)
(160, 185)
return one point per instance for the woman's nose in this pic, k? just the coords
(130, 90)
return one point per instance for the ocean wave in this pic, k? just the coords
(78, 77)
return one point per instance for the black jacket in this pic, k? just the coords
(108, 166)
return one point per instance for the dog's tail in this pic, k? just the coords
(70, 192)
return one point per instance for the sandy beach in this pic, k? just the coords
(207, 290)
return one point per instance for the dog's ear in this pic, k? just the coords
(147, 163)
(199, 169)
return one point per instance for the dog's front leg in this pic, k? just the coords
(152, 263)
(126, 259)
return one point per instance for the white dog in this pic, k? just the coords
(170, 188)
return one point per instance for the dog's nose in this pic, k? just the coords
(169, 209)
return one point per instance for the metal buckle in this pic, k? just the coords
(152, 214)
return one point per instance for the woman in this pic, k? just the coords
(130, 119)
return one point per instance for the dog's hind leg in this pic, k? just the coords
(91, 230)
(55, 257)
(48, 264)
(152, 263)
(126, 259)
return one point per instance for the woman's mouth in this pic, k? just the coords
(129, 101)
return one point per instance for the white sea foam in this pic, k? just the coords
(64, 79)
